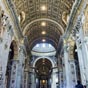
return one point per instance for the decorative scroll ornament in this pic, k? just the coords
(4, 25)
(78, 25)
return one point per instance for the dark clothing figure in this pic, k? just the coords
(84, 86)
(79, 85)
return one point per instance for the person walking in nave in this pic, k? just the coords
(79, 85)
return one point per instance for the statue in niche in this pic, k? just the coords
(21, 17)
(65, 17)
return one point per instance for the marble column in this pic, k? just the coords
(85, 54)
(5, 42)
(1, 76)
(53, 78)
(66, 63)
(20, 70)
(84, 46)
(33, 80)
(61, 79)
(14, 69)
(26, 78)
(73, 76)
(4, 46)
(81, 62)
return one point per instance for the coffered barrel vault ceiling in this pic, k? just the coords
(52, 12)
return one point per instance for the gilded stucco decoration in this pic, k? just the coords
(56, 10)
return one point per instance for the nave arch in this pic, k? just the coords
(68, 60)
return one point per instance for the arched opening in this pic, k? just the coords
(12, 55)
(41, 65)
(43, 73)
(77, 63)
(9, 65)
